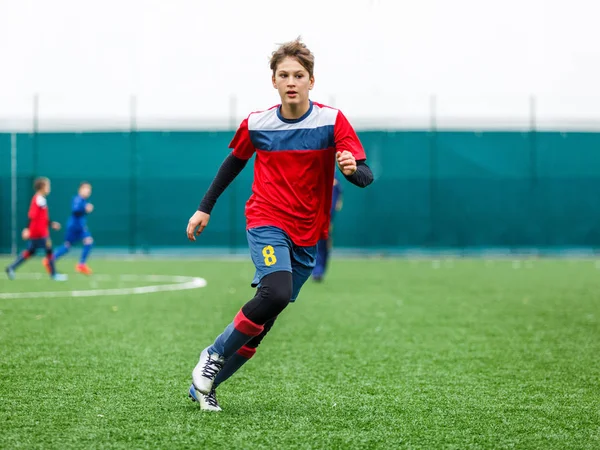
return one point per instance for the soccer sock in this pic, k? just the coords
(237, 333)
(51, 262)
(326, 253)
(243, 355)
(87, 248)
(20, 259)
(234, 363)
(319, 269)
(61, 251)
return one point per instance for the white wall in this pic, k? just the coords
(376, 59)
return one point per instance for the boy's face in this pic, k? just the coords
(292, 82)
(85, 191)
(46, 188)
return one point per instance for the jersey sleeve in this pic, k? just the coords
(36, 206)
(40, 201)
(78, 207)
(241, 143)
(346, 139)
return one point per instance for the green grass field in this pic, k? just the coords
(384, 354)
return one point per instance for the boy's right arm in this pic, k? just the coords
(243, 149)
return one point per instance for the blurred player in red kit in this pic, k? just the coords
(38, 230)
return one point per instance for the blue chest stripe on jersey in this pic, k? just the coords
(320, 138)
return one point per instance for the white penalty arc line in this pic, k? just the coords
(179, 283)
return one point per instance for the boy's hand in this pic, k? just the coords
(89, 208)
(198, 220)
(25, 234)
(55, 226)
(346, 162)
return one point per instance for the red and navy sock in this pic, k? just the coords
(242, 356)
(51, 262)
(235, 336)
(234, 363)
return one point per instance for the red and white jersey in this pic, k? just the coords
(39, 218)
(294, 168)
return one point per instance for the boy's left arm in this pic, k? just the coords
(351, 157)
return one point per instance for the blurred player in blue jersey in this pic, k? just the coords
(77, 229)
(324, 245)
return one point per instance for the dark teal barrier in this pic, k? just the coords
(432, 190)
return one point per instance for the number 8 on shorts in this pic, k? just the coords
(269, 255)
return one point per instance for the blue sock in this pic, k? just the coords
(87, 248)
(20, 259)
(322, 254)
(61, 251)
(234, 363)
(235, 336)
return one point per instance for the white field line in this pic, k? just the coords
(179, 283)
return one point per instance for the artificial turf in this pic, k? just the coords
(390, 353)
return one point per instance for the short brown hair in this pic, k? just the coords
(83, 183)
(39, 183)
(294, 49)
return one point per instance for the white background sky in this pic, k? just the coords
(184, 59)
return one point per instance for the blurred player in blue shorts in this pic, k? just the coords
(77, 229)
(324, 245)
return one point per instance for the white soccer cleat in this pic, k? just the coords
(205, 372)
(207, 402)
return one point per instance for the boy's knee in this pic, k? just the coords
(272, 297)
(277, 290)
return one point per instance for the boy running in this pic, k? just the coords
(38, 230)
(77, 229)
(297, 144)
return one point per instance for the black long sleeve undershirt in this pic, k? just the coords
(363, 175)
(230, 169)
(233, 165)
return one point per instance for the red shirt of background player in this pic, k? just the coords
(39, 219)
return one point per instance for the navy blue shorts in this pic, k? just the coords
(272, 250)
(39, 244)
(75, 235)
